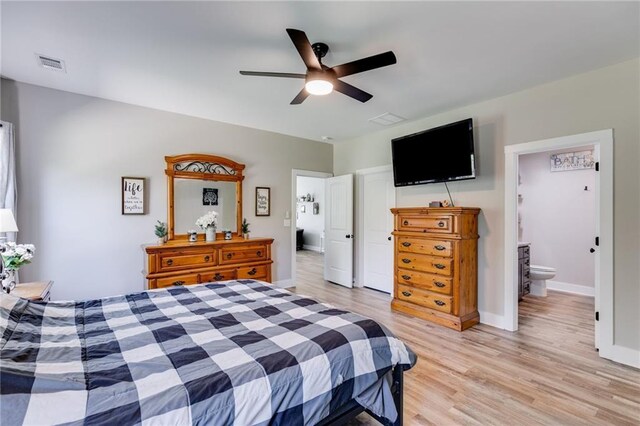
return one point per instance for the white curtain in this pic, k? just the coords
(8, 184)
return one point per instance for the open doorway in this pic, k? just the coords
(310, 221)
(521, 200)
(307, 227)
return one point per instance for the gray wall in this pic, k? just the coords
(601, 99)
(72, 151)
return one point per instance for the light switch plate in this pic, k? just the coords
(287, 223)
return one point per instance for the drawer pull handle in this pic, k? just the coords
(229, 255)
(169, 262)
(405, 260)
(439, 247)
(439, 284)
(439, 266)
(406, 244)
(440, 303)
(218, 277)
(259, 253)
(406, 293)
(406, 277)
(206, 258)
(252, 272)
(441, 224)
(405, 223)
(177, 283)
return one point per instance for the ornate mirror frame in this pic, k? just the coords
(202, 167)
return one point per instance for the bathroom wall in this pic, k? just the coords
(313, 224)
(558, 217)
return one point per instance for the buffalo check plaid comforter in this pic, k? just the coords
(242, 353)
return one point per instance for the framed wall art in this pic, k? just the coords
(263, 201)
(133, 195)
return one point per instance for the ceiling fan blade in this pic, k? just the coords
(365, 64)
(273, 74)
(301, 42)
(300, 97)
(352, 91)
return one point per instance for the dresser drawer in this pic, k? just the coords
(221, 275)
(424, 263)
(422, 280)
(177, 280)
(242, 254)
(172, 261)
(425, 298)
(425, 246)
(426, 223)
(254, 272)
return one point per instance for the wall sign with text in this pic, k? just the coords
(133, 195)
(263, 201)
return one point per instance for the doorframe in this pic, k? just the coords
(602, 141)
(294, 199)
(359, 206)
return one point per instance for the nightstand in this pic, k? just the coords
(38, 291)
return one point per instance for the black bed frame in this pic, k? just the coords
(351, 409)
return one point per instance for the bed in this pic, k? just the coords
(241, 352)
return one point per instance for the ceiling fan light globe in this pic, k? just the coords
(319, 87)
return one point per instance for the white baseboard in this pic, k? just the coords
(312, 248)
(623, 355)
(571, 288)
(284, 283)
(494, 320)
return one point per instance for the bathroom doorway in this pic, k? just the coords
(601, 144)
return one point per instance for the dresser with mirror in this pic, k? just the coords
(197, 184)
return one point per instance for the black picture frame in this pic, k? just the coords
(263, 201)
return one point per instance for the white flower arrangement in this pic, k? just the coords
(17, 255)
(209, 219)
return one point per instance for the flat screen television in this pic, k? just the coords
(441, 154)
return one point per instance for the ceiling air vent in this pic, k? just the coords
(387, 119)
(51, 63)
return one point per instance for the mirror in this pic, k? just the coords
(194, 198)
(199, 183)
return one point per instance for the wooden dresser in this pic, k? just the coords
(179, 262)
(435, 266)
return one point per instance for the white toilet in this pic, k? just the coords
(539, 276)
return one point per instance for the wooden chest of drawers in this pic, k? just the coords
(436, 264)
(179, 263)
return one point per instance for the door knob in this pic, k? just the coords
(349, 236)
(592, 250)
(388, 238)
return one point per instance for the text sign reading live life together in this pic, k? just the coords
(132, 195)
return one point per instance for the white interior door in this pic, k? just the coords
(379, 196)
(338, 254)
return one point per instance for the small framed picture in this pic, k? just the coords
(263, 201)
(133, 195)
(209, 196)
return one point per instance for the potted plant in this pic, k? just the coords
(15, 256)
(161, 232)
(208, 222)
(245, 228)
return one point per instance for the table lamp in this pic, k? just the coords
(7, 224)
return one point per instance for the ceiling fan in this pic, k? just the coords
(322, 80)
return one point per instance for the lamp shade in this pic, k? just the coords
(7, 222)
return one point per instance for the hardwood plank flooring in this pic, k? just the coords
(547, 373)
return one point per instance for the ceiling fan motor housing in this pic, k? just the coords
(320, 50)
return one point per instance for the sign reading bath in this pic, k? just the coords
(567, 161)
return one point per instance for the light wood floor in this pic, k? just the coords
(546, 373)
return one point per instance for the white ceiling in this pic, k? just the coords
(185, 57)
